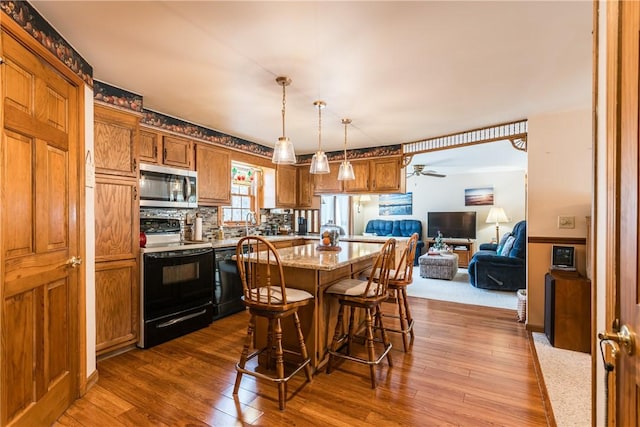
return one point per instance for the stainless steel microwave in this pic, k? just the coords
(162, 186)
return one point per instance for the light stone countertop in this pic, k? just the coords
(310, 257)
(227, 243)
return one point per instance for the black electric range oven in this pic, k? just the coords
(177, 283)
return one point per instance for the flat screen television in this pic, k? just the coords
(452, 225)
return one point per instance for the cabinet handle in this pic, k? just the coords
(164, 155)
(155, 150)
(135, 193)
(135, 165)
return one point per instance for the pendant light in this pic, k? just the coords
(346, 169)
(283, 153)
(319, 161)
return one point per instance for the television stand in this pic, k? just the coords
(462, 247)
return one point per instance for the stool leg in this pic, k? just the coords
(245, 351)
(370, 347)
(336, 336)
(282, 390)
(407, 310)
(269, 347)
(351, 331)
(401, 315)
(303, 347)
(385, 336)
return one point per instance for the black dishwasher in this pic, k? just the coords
(227, 298)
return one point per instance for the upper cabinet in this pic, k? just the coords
(306, 197)
(115, 134)
(214, 175)
(159, 148)
(327, 183)
(286, 188)
(382, 175)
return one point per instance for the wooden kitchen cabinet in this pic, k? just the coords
(149, 146)
(115, 141)
(387, 175)
(306, 197)
(214, 175)
(327, 183)
(177, 152)
(117, 228)
(117, 302)
(286, 188)
(361, 183)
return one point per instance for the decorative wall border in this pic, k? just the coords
(115, 96)
(33, 23)
(358, 153)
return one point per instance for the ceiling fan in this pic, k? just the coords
(419, 170)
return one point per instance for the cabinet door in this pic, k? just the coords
(115, 134)
(361, 183)
(386, 174)
(176, 152)
(214, 175)
(286, 189)
(148, 146)
(306, 199)
(116, 304)
(328, 183)
(116, 219)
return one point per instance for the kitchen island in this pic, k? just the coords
(306, 267)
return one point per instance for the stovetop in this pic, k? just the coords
(163, 234)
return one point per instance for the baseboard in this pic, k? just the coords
(534, 328)
(90, 382)
(551, 419)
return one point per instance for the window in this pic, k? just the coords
(243, 194)
(335, 210)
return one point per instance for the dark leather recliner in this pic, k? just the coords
(398, 228)
(488, 270)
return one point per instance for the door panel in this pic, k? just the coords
(39, 210)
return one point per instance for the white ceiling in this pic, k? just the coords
(402, 71)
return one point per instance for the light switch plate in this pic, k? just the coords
(566, 222)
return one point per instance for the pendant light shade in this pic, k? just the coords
(346, 169)
(319, 161)
(283, 153)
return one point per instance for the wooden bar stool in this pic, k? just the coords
(266, 295)
(399, 279)
(367, 295)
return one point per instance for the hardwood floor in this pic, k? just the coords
(469, 366)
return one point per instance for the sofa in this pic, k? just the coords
(501, 266)
(397, 228)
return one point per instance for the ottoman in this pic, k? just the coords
(441, 266)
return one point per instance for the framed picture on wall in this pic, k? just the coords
(395, 204)
(478, 196)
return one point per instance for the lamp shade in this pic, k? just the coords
(319, 163)
(283, 152)
(346, 171)
(497, 215)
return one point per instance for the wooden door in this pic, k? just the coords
(623, 293)
(39, 212)
(214, 175)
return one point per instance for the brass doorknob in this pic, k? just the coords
(624, 338)
(74, 261)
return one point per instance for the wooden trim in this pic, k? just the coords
(534, 328)
(91, 381)
(548, 409)
(558, 240)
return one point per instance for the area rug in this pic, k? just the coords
(459, 290)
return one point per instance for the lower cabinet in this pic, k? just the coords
(117, 305)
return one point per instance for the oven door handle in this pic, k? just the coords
(179, 254)
(180, 319)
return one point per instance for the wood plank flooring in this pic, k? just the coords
(469, 366)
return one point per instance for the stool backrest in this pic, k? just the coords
(261, 272)
(379, 277)
(404, 271)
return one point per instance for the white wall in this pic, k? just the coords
(90, 231)
(447, 194)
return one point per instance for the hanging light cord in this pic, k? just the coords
(319, 126)
(346, 123)
(283, 104)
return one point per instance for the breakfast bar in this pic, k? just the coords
(309, 268)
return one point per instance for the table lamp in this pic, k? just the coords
(497, 215)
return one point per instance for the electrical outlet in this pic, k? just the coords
(566, 222)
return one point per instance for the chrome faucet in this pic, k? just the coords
(251, 216)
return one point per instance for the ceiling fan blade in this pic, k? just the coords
(433, 173)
